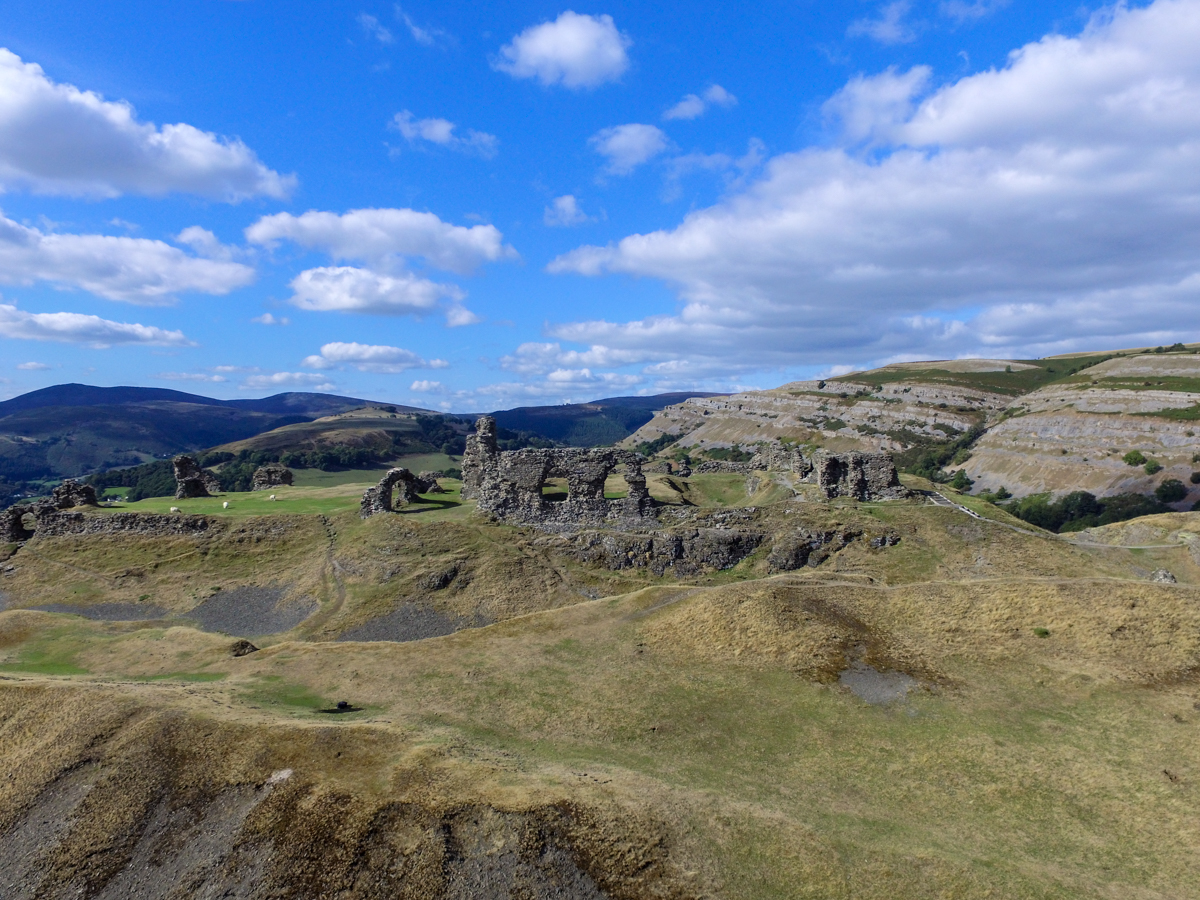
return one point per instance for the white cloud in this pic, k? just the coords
(1050, 205)
(371, 26)
(628, 146)
(428, 35)
(350, 289)
(889, 27)
(540, 358)
(376, 234)
(693, 106)
(32, 367)
(135, 270)
(365, 358)
(961, 11)
(205, 244)
(76, 328)
(268, 319)
(57, 139)
(564, 212)
(441, 132)
(574, 50)
(309, 380)
(191, 376)
(427, 387)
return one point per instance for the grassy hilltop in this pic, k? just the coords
(981, 710)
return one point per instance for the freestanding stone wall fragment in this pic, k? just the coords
(859, 476)
(378, 499)
(271, 476)
(72, 493)
(510, 484)
(12, 525)
(191, 480)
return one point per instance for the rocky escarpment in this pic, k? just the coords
(844, 415)
(1073, 435)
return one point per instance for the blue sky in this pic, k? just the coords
(468, 206)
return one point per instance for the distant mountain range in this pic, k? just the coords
(74, 429)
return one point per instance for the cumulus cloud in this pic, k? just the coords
(76, 328)
(441, 132)
(57, 139)
(564, 212)
(628, 146)
(384, 239)
(1050, 205)
(540, 358)
(268, 319)
(135, 270)
(365, 358)
(32, 367)
(376, 234)
(350, 289)
(693, 106)
(574, 50)
(427, 387)
(888, 27)
(309, 380)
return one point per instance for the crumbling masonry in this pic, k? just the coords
(510, 484)
(859, 476)
(271, 476)
(379, 499)
(193, 481)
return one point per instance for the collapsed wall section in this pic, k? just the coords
(511, 484)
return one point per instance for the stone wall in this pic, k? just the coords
(778, 457)
(509, 484)
(271, 476)
(379, 499)
(60, 523)
(859, 476)
(72, 493)
(192, 481)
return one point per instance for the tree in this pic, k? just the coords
(960, 481)
(1134, 458)
(1170, 491)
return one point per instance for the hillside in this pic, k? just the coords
(73, 429)
(591, 424)
(1058, 424)
(971, 712)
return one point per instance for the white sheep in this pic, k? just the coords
(175, 509)
(225, 505)
(272, 497)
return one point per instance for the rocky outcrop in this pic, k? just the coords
(192, 481)
(61, 523)
(859, 476)
(379, 499)
(510, 484)
(684, 552)
(271, 476)
(1162, 576)
(802, 547)
(722, 467)
(72, 493)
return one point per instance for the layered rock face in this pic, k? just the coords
(271, 476)
(193, 481)
(509, 484)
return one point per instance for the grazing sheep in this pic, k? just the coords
(272, 497)
(225, 505)
(175, 509)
